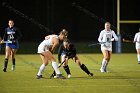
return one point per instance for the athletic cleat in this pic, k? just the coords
(90, 74)
(106, 70)
(4, 70)
(52, 76)
(13, 67)
(59, 76)
(69, 75)
(39, 77)
(102, 70)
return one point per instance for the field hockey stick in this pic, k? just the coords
(5, 42)
(52, 75)
(99, 43)
(2, 42)
(96, 44)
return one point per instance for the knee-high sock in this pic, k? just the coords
(84, 68)
(104, 63)
(55, 67)
(106, 66)
(13, 61)
(41, 69)
(5, 63)
(138, 57)
(66, 68)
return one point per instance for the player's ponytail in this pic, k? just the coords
(64, 32)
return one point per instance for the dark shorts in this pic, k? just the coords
(63, 53)
(13, 45)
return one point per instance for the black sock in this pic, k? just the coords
(66, 68)
(54, 74)
(85, 69)
(13, 61)
(5, 63)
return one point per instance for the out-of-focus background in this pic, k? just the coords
(84, 19)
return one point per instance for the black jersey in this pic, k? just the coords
(70, 52)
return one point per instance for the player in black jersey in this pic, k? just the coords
(66, 51)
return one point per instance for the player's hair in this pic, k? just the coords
(66, 40)
(11, 20)
(108, 23)
(64, 32)
(71, 46)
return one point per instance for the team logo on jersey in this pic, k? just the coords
(10, 32)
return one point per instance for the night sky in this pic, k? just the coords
(84, 19)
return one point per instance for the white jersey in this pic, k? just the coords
(137, 40)
(106, 36)
(46, 44)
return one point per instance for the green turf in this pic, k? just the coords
(123, 76)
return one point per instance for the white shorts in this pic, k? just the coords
(42, 49)
(137, 45)
(106, 48)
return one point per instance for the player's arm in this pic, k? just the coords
(135, 38)
(5, 36)
(0, 40)
(55, 44)
(115, 36)
(100, 37)
(17, 36)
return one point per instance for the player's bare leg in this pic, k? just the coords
(13, 52)
(42, 67)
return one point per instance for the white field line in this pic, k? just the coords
(89, 86)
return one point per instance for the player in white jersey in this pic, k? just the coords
(137, 41)
(46, 50)
(105, 38)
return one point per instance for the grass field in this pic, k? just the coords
(123, 76)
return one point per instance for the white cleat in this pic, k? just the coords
(102, 70)
(69, 75)
(13, 67)
(59, 76)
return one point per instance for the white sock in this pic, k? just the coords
(41, 69)
(55, 67)
(104, 63)
(138, 57)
